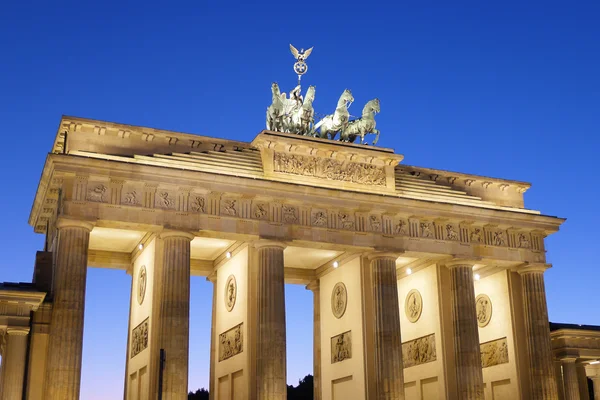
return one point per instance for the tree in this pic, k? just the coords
(304, 390)
(201, 394)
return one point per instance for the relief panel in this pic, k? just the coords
(494, 353)
(231, 342)
(139, 338)
(341, 347)
(419, 351)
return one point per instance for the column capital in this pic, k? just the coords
(172, 233)
(531, 268)
(461, 262)
(18, 331)
(261, 243)
(314, 285)
(74, 223)
(377, 255)
(568, 360)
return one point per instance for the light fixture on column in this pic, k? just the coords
(141, 246)
(477, 277)
(228, 254)
(408, 271)
(336, 264)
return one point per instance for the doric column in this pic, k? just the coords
(537, 331)
(314, 286)
(175, 313)
(389, 372)
(270, 346)
(571, 383)
(14, 363)
(469, 376)
(65, 343)
(211, 385)
(596, 382)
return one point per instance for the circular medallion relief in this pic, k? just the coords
(413, 305)
(483, 305)
(230, 292)
(339, 299)
(142, 280)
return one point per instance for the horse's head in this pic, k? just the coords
(275, 88)
(372, 106)
(347, 96)
(310, 93)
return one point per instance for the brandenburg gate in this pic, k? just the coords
(427, 284)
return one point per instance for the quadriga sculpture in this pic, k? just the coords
(276, 111)
(302, 119)
(332, 124)
(362, 126)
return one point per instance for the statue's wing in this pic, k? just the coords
(294, 51)
(307, 52)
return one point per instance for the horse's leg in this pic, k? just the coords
(376, 132)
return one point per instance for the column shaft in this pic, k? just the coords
(537, 330)
(175, 314)
(596, 382)
(469, 376)
(315, 288)
(389, 372)
(271, 347)
(571, 383)
(65, 343)
(211, 384)
(14, 364)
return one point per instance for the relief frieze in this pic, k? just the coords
(139, 338)
(419, 351)
(494, 353)
(197, 204)
(231, 342)
(290, 214)
(97, 194)
(327, 168)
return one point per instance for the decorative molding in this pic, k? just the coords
(231, 342)
(419, 351)
(341, 347)
(139, 338)
(494, 353)
(328, 168)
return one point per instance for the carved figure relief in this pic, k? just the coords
(341, 347)
(260, 211)
(419, 351)
(289, 214)
(375, 223)
(346, 221)
(339, 299)
(327, 168)
(494, 353)
(197, 204)
(426, 230)
(320, 218)
(401, 228)
(451, 233)
(229, 207)
(476, 235)
(230, 292)
(139, 338)
(231, 342)
(483, 306)
(131, 198)
(163, 200)
(413, 305)
(499, 238)
(97, 193)
(523, 241)
(142, 282)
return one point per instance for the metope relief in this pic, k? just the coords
(401, 228)
(139, 338)
(231, 342)
(483, 306)
(319, 219)
(228, 207)
(142, 282)
(476, 235)
(341, 347)
(131, 198)
(451, 232)
(523, 241)
(374, 223)
(499, 238)
(197, 204)
(165, 200)
(97, 193)
(419, 351)
(494, 353)
(230, 292)
(260, 211)
(327, 168)
(426, 230)
(413, 305)
(290, 215)
(339, 300)
(346, 221)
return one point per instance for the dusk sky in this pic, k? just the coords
(502, 89)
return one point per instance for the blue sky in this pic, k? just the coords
(504, 89)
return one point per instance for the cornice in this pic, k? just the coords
(29, 298)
